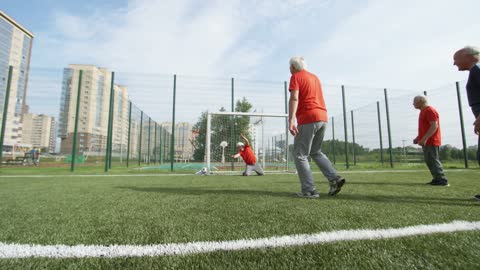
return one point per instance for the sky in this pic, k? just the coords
(369, 43)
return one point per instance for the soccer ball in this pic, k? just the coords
(203, 171)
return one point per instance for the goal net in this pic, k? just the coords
(267, 135)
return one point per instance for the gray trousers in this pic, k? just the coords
(255, 167)
(308, 142)
(432, 159)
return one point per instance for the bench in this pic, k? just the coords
(16, 161)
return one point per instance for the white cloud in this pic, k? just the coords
(399, 43)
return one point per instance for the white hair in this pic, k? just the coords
(422, 99)
(240, 144)
(471, 50)
(298, 63)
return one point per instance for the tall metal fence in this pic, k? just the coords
(135, 121)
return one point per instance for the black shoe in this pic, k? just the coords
(477, 197)
(442, 182)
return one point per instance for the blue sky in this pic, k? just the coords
(359, 42)
(371, 43)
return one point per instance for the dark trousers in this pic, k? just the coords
(476, 113)
(432, 159)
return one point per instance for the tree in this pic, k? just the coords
(224, 128)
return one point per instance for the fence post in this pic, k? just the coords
(380, 132)
(286, 125)
(462, 126)
(353, 136)
(388, 128)
(140, 139)
(5, 111)
(108, 149)
(75, 129)
(333, 141)
(172, 141)
(155, 146)
(129, 129)
(345, 126)
(112, 106)
(149, 135)
(232, 124)
(161, 146)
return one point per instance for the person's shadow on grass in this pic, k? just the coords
(343, 196)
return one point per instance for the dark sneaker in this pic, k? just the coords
(477, 197)
(310, 195)
(431, 181)
(443, 182)
(336, 185)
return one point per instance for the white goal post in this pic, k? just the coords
(267, 132)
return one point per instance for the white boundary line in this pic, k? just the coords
(191, 174)
(84, 251)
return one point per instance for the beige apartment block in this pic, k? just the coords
(38, 130)
(15, 51)
(93, 112)
(184, 137)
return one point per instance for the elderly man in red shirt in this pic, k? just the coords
(430, 138)
(307, 107)
(247, 154)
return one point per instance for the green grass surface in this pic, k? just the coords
(165, 209)
(120, 168)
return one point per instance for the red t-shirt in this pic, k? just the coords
(248, 155)
(311, 105)
(427, 115)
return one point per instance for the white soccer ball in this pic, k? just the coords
(203, 171)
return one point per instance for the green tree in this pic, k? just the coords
(224, 128)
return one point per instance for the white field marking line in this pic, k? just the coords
(84, 251)
(191, 174)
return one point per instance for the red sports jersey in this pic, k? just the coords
(427, 115)
(311, 105)
(248, 155)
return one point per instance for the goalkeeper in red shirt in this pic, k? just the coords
(247, 154)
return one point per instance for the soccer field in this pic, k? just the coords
(137, 211)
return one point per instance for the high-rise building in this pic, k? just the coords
(184, 136)
(39, 131)
(15, 50)
(93, 111)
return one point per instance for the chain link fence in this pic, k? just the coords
(91, 118)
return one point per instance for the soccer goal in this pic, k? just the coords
(267, 134)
